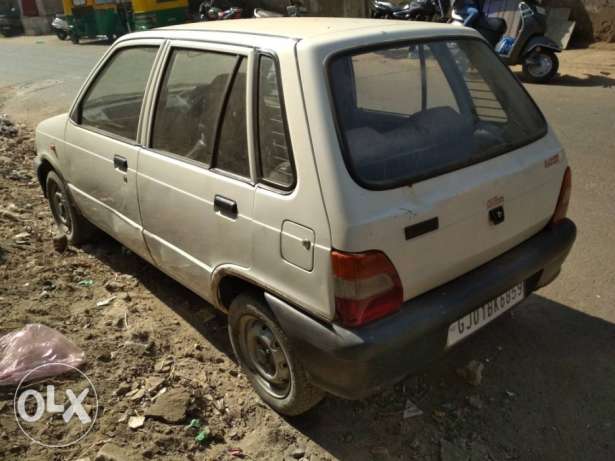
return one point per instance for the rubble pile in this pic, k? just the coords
(7, 128)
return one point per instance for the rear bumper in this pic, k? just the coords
(356, 363)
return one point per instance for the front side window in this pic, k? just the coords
(414, 111)
(190, 101)
(275, 155)
(113, 102)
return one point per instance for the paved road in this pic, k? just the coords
(558, 353)
(39, 76)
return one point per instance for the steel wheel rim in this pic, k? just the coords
(539, 65)
(60, 208)
(264, 356)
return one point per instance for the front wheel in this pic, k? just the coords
(62, 34)
(268, 359)
(540, 66)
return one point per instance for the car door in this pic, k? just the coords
(102, 142)
(195, 173)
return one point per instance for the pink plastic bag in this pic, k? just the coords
(34, 345)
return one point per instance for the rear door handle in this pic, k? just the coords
(120, 163)
(225, 206)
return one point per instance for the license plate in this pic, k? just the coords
(477, 319)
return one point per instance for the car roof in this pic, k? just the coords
(305, 27)
(308, 35)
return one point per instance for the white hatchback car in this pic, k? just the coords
(358, 195)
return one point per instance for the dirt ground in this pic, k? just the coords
(545, 393)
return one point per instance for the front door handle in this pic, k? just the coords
(120, 163)
(226, 206)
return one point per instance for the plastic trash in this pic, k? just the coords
(32, 346)
(202, 436)
(411, 410)
(236, 453)
(194, 424)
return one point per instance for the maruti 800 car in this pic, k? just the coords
(358, 195)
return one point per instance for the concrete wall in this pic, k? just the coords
(36, 25)
(595, 19)
(41, 24)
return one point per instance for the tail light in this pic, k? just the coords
(367, 287)
(561, 209)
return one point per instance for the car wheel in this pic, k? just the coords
(68, 220)
(540, 66)
(267, 357)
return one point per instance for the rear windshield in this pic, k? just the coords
(413, 111)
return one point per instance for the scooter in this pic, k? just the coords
(531, 48)
(60, 26)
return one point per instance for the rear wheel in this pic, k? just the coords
(69, 221)
(267, 358)
(74, 38)
(540, 66)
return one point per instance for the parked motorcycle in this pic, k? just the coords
(295, 9)
(60, 26)
(416, 10)
(386, 10)
(531, 48)
(427, 10)
(213, 10)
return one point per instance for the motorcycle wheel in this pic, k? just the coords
(62, 34)
(540, 66)
(74, 38)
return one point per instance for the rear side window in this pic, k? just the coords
(275, 153)
(190, 101)
(113, 102)
(410, 112)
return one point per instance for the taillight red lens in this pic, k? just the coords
(367, 287)
(561, 209)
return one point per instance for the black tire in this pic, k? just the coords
(74, 38)
(69, 221)
(62, 34)
(547, 56)
(250, 320)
